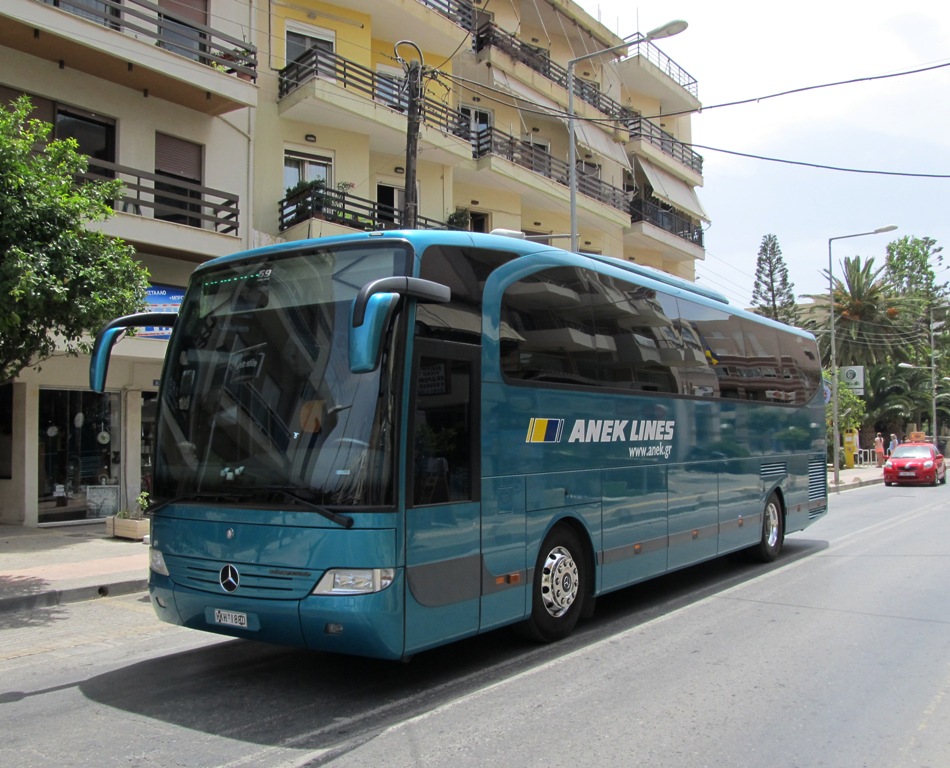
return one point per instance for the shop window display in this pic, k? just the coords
(79, 447)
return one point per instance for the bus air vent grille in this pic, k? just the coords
(774, 471)
(262, 581)
(817, 480)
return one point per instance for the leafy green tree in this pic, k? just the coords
(59, 280)
(910, 265)
(911, 269)
(872, 320)
(850, 414)
(772, 295)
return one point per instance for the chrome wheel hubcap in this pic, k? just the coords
(559, 581)
(772, 523)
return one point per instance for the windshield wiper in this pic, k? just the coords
(291, 493)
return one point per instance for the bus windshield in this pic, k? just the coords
(258, 396)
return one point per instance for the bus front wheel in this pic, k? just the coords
(773, 532)
(560, 587)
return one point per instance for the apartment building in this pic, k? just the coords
(493, 150)
(237, 123)
(161, 95)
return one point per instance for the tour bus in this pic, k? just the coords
(379, 443)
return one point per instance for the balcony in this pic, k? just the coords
(433, 25)
(671, 82)
(169, 216)
(319, 87)
(538, 60)
(492, 142)
(344, 209)
(662, 228)
(647, 70)
(649, 133)
(138, 45)
(459, 12)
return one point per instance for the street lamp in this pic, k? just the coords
(667, 30)
(834, 365)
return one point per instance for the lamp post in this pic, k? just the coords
(667, 30)
(834, 365)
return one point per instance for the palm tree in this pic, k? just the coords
(873, 324)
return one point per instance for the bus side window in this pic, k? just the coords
(442, 431)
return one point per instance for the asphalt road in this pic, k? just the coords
(837, 655)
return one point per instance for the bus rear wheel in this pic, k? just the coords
(560, 586)
(773, 532)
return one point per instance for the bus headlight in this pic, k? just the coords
(156, 561)
(354, 581)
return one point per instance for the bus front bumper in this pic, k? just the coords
(361, 625)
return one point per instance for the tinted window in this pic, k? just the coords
(553, 337)
(464, 271)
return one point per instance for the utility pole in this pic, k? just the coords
(410, 212)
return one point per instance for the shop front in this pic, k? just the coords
(70, 455)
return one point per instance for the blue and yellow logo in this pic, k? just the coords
(545, 430)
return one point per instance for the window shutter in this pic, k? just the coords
(42, 108)
(195, 11)
(177, 157)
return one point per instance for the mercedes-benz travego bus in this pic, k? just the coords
(379, 443)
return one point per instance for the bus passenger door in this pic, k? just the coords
(443, 560)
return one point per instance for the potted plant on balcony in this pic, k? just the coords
(306, 199)
(458, 219)
(130, 523)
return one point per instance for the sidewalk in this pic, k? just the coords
(47, 566)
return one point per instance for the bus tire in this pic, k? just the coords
(773, 532)
(560, 586)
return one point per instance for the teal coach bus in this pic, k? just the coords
(379, 443)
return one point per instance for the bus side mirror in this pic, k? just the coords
(365, 339)
(373, 308)
(111, 333)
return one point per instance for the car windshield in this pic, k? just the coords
(257, 394)
(912, 452)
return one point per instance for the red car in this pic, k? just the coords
(917, 463)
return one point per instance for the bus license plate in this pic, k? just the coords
(231, 618)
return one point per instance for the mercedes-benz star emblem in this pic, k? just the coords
(229, 578)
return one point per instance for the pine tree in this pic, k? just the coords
(772, 295)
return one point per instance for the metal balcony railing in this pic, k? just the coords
(361, 80)
(666, 219)
(346, 209)
(538, 59)
(641, 128)
(169, 198)
(491, 36)
(462, 13)
(490, 141)
(665, 64)
(180, 35)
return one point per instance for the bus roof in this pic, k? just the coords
(426, 237)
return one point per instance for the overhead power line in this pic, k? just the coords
(803, 89)
(820, 165)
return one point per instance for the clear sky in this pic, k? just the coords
(741, 50)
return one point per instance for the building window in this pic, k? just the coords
(180, 162)
(178, 30)
(300, 167)
(95, 136)
(316, 48)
